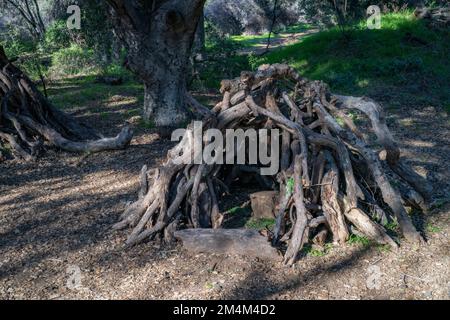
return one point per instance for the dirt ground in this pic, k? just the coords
(56, 240)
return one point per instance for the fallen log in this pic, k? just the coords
(241, 242)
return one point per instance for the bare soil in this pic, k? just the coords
(56, 240)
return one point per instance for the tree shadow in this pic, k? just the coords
(257, 286)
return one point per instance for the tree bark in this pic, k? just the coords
(158, 35)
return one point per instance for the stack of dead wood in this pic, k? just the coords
(333, 177)
(439, 17)
(28, 121)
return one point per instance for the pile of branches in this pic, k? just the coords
(28, 121)
(438, 17)
(331, 181)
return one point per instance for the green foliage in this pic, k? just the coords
(433, 229)
(72, 60)
(237, 211)
(57, 36)
(116, 70)
(290, 186)
(404, 58)
(314, 251)
(222, 61)
(254, 61)
(358, 240)
(15, 45)
(260, 224)
(383, 248)
(392, 226)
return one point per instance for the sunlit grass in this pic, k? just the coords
(258, 39)
(404, 57)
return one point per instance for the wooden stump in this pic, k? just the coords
(265, 204)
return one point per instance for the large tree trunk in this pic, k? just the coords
(163, 100)
(159, 35)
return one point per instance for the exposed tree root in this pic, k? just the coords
(27, 119)
(330, 179)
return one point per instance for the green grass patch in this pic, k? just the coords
(317, 252)
(257, 39)
(83, 90)
(392, 226)
(405, 59)
(260, 224)
(358, 240)
(433, 229)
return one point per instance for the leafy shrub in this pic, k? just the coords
(72, 60)
(15, 44)
(57, 36)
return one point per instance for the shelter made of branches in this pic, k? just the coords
(332, 179)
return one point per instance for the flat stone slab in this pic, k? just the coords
(242, 242)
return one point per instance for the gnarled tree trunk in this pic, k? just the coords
(159, 35)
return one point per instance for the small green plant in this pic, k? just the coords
(340, 121)
(358, 240)
(317, 251)
(433, 229)
(209, 286)
(260, 224)
(255, 61)
(392, 226)
(290, 186)
(57, 36)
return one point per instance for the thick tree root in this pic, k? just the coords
(27, 119)
(330, 179)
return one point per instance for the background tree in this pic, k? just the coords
(29, 12)
(158, 35)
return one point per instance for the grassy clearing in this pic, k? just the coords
(83, 90)
(253, 40)
(358, 240)
(401, 64)
(404, 61)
